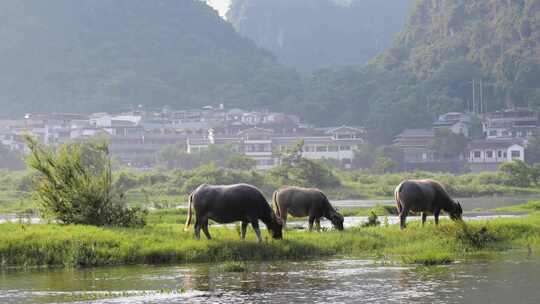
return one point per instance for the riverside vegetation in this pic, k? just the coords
(79, 245)
(75, 184)
(167, 189)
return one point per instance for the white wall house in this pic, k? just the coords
(487, 155)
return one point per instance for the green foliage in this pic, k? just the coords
(388, 158)
(372, 221)
(74, 185)
(240, 162)
(532, 153)
(105, 56)
(532, 206)
(520, 174)
(10, 160)
(447, 144)
(78, 245)
(459, 44)
(176, 157)
(296, 170)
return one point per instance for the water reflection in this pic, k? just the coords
(512, 278)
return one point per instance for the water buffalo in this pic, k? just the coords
(301, 202)
(424, 195)
(227, 204)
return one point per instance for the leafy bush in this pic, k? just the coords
(74, 185)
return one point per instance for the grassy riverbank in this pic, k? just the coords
(55, 245)
(167, 189)
(532, 206)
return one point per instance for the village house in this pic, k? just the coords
(487, 155)
(416, 145)
(265, 145)
(511, 123)
(456, 122)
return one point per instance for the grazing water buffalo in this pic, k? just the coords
(301, 202)
(227, 204)
(424, 195)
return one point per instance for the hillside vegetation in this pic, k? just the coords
(90, 55)
(106, 55)
(429, 70)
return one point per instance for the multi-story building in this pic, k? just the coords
(265, 146)
(511, 123)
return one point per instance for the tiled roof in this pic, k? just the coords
(494, 143)
(416, 133)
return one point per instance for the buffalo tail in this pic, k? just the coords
(276, 206)
(189, 215)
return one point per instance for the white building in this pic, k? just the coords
(487, 155)
(265, 147)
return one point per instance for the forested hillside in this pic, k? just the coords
(310, 34)
(430, 69)
(498, 41)
(91, 55)
(88, 55)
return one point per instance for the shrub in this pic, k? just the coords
(74, 185)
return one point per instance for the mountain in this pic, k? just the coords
(447, 50)
(89, 55)
(311, 34)
(497, 42)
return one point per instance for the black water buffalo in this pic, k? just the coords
(227, 204)
(301, 202)
(424, 195)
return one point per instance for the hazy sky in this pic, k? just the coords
(222, 6)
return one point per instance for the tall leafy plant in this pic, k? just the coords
(74, 185)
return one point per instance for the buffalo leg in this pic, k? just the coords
(424, 216)
(205, 230)
(403, 218)
(311, 220)
(284, 218)
(318, 224)
(255, 225)
(243, 231)
(197, 229)
(436, 215)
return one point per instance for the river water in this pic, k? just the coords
(511, 278)
(468, 203)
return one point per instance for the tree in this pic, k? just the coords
(382, 164)
(240, 162)
(364, 157)
(75, 186)
(296, 170)
(10, 160)
(519, 173)
(388, 158)
(533, 149)
(447, 144)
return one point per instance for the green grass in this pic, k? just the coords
(532, 206)
(168, 189)
(167, 216)
(79, 246)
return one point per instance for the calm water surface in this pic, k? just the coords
(468, 203)
(513, 278)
